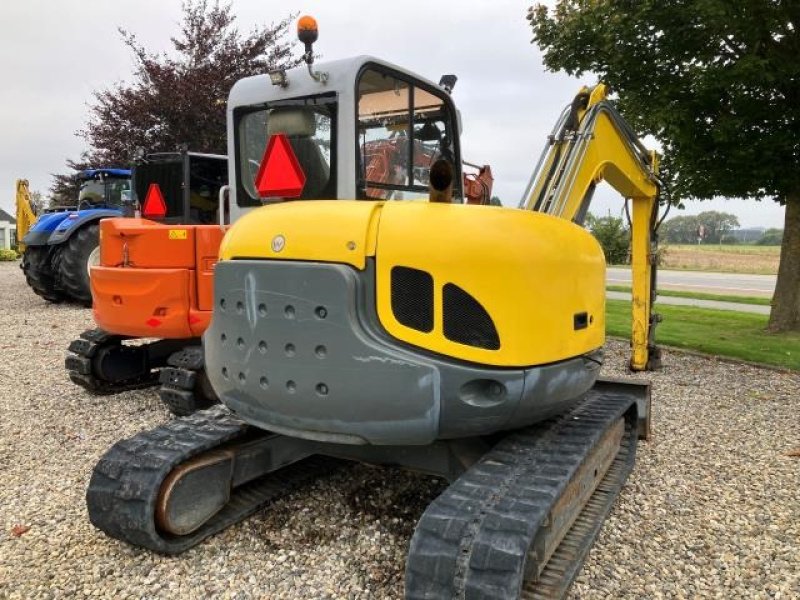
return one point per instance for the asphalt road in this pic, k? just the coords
(701, 281)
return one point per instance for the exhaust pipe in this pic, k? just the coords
(440, 188)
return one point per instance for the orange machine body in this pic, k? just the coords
(155, 280)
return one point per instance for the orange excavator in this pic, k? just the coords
(153, 290)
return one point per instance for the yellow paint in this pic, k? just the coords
(178, 234)
(531, 272)
(324, 230)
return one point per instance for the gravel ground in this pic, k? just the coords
(711, 510)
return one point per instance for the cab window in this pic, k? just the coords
(310, 127)
(403, 129)
(115, 187)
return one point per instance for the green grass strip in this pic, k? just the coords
(720, 332)
(700, 295)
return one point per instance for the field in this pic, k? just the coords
(759, 260)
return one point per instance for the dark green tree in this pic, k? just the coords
(176, 98)
(716, 81)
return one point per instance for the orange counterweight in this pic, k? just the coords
(155, 280)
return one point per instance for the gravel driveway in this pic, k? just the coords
(712, 508)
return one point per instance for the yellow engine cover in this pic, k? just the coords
(533, 274)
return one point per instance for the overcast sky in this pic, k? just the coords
(56, 53)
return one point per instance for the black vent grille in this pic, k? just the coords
(466, 321)
(412, 298)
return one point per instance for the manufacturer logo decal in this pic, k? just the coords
(278, 243)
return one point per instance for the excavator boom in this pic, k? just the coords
(592, 143)
(25, 215)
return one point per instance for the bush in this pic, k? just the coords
(613, 236)
(8, 254)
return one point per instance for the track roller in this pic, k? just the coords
(185, 387)
(99, 362)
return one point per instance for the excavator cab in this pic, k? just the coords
(403, 128)
(371, 131)
(180, 187)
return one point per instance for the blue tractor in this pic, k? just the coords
(63, 244)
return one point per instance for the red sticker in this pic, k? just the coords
(154, 205)
(280, 173)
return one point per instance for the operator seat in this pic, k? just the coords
(316, 169)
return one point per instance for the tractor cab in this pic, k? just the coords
(359, 128)
(103, 188)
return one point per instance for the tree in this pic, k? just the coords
(37, 202)
(65, 188)
(685, 228)
(771, 237)
(177, 99)
(716, 224)
(679, 230)
(613, 236)
(716, 81)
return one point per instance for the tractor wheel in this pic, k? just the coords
(38, 268)
(81, 251)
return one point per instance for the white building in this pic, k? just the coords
(8, 230)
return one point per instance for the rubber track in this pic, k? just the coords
(122, 492)
(473, 540)
(79, 365)
(183, 382)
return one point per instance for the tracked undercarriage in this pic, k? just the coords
(102, 363)
(521, 512)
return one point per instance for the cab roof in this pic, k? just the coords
(341, 73)
(108, 172)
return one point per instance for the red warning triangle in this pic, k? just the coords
(154, 206)
(280, 173)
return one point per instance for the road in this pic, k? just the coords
(701, 281)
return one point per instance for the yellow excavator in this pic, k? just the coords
(25, 214)
(459, 340)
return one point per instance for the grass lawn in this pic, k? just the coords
(720, 332)
(699, 295)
